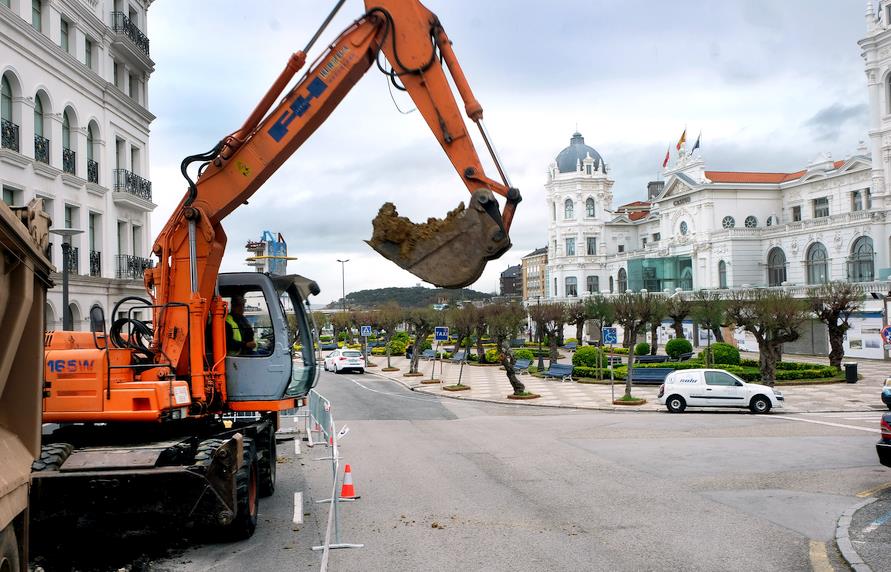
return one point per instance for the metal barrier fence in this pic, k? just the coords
(320, 424)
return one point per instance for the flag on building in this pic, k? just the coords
(697, 144)
(682, 140)
(667, 154)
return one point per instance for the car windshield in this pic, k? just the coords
(352, 354)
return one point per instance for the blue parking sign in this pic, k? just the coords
(609, 336)
(366, 331)
(441, 334)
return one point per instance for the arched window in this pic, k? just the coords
(817, 264)
(568, 210)
(38, 117)
(612, 287)
(623, 280)
(66, 131)
(687, 279)
(589, 208)
(572, 286)
(553, 211)
(5, 99)
(41, 143)
(861, 264)
(722, 274)
(69, 161)
(92, 165)
(776, 267)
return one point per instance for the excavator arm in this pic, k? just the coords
(451, 252)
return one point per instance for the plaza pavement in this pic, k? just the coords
(489, 383)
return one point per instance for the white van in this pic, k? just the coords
(715, 388)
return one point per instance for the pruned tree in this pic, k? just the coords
(708, 312)
(421, 322)
(833, 304)
(632, 311)
(341, 322)
(505, 323)
(462, 321)
(773, 317)
(389, 317)
(548, 319)
(678, 308)
(656, 311)
(601, 311)
(576, 314)
(480, 327)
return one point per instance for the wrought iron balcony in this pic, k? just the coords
(132, 183)
(95, 263)
(42, 149)
(69, 161)
(73, 260)
(92, 171)
(10, 138)
(124, 25)
(131, 267)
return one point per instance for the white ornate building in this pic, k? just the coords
(75, 132)
(728, 229)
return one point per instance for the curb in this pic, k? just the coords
(844, 541)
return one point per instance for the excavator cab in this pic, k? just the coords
(270, 336)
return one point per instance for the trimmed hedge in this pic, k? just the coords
(524, 354)
(588, 356)
(746, 373)
(677, 346)
(642, 349)
(722, 354)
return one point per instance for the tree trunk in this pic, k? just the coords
(626, 338)
(578, 331)
(678, 326)
(508, 361)
(654, 338)
(416, 352)
(387, 340)
(836, 346)
(770, 355)
(480, 352)
(552, 346)
(719, 336)
(628, 377)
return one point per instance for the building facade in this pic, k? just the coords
(710, 229)
(75, 133)
(534, 270)
(511, 282)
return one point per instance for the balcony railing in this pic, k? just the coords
(132, 183)
(69, 161)
(124, 25)
(42, 149)
(73, 260)
(92, 171)
(95, 263)
(10, 138)
(130, 267)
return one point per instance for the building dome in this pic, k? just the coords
(569, 158)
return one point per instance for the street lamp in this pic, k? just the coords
(66, 234)
(343, 282)
(538, 331)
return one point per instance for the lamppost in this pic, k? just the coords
(538, 331)
(66, 234)
(343, 282)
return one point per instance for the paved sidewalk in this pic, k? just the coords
(489, 383)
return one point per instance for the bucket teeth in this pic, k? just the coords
(450, 252)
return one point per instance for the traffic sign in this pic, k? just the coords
(609, 336)
(441, 334)
(366, 331)
(886, 334)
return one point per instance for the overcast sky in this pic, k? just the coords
(771, 84)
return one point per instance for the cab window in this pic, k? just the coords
(249, 331)
(719, 378)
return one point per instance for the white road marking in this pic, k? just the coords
(298, 508)
(297, 447)
(803, 420)
(428, 399)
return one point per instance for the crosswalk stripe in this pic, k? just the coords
(803, 420)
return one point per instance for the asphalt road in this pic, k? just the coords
(450, 485)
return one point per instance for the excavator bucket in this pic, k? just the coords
(449, 253)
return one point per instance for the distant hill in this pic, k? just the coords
(415, 297)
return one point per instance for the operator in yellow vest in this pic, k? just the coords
(239, 333)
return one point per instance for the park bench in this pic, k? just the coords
(517, 343)
(655, 375)
(458, 356)
(561, 370)
(327, 346)
(571, 346)
(615, 360)
(522, 365)
(651, 359)
(685, 357)
(428, 354)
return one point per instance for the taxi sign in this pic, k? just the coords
(441, 334)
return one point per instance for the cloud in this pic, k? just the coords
(828, 122)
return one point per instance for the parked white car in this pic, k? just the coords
(341, 359)
(715, 388)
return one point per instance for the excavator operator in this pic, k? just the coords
(239, 332)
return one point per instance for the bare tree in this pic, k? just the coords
(773, 317)
(505, 322)
(601, 311)
(632, 311)
(656, 311)
(340, 322)
(480, 327)
(576, 314)
(462, 321)
(389, 317)
(709, 313)
(833, 303)
(421, 323)
(548, 319)
(678, 308)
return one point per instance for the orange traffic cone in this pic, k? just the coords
(347, 491)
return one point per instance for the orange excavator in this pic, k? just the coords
(171, 412)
